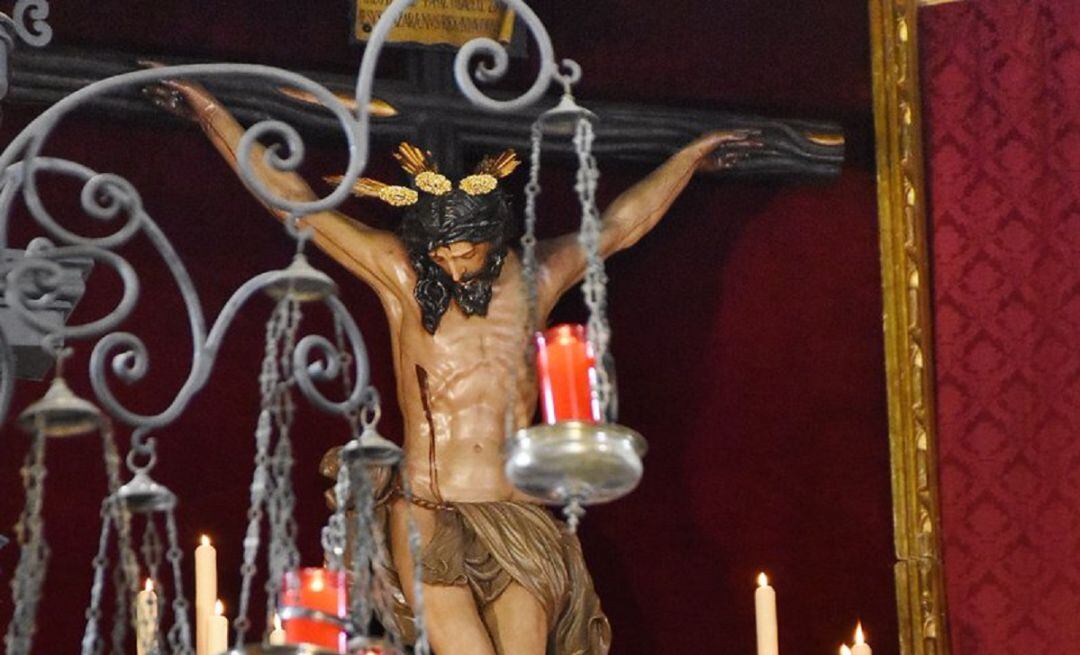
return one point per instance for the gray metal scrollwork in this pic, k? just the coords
(111, 200)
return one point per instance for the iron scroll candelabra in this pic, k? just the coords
(307, 361)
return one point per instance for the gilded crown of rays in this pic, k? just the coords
(427, 179)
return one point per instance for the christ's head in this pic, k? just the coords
(457, 243)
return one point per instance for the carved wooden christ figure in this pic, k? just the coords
(501, 575)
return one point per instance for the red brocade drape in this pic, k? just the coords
(1002, 88)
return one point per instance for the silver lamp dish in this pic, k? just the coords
(142, 495)
(372, 448)
(60, 413)
(302, 281)
(561, 120)
(575, 462)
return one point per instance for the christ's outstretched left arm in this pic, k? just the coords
(636, 211)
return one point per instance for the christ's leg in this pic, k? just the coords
(518, 622)
(453, 621)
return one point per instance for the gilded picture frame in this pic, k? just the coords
(903, 229)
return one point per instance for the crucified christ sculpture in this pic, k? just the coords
(501, 576)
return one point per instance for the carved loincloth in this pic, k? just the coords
(488, 545)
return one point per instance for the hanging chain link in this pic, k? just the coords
(33, 555)
(529, 265)
(283, 554)
(362, 546)
(91, 642)
(127, 574)
(333, 533)
(151, 550)
(269, 378)
(529, 276)
(179, 636)
(594, 286)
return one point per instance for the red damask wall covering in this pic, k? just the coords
(1002, 89)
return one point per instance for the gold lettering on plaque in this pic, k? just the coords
(429, 22)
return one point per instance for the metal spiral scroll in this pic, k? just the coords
(30, 22)
(110, 199)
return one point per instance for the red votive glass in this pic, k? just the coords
(566, 371)
(314, 608)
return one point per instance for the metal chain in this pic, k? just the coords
(127, 578)
(120, 599)
(179, 635)
(333, 533)
(529, 276)
(283, 554)
(260, 482)
(594, 286)
(283, 482)
(529, 265)
(33, 555)
(152, 550)
(91, 642)
(258, 493)
(362, 546)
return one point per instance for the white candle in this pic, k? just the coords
(860, 647)
(844, 650)
(768, 641)
(146, 617)
(219, 630)
(277, 635)
(205, 593)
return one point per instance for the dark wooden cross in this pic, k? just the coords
(431, 112)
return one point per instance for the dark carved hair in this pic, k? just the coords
(436, 221)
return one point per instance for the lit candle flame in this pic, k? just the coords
(844, 650)
(204, 540)
(762, 580)
(148, 585)
(860, 639)
(219, 608)
(277, 621)
(317, 583)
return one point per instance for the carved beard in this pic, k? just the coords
(435, 288)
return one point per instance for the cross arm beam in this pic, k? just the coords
(796, 150)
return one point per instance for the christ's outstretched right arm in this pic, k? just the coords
(375, 256)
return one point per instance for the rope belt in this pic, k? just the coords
(423, 503)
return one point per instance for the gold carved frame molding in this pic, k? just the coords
(920, 585)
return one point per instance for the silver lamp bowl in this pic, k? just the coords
(301, 281)
(373, 449)
(60, 413)
(142, 495)
(573, 461)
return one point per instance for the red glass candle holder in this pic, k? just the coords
(314, 608)
(566, 372)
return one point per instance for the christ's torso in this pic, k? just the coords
(455, 387)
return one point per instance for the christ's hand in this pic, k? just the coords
(728, 147)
